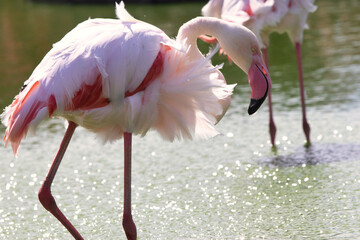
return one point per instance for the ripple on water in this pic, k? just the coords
(315, 154)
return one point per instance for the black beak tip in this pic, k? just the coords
(255, 105)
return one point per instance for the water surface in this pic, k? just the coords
(230, 187)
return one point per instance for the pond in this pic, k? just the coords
(233, 186)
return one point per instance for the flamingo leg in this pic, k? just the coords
(128, 223)
(45, 196)
(306, 126)
(272, 127)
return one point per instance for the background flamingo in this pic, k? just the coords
(264, 17)
(118, 77)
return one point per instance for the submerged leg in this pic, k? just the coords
(45, 196)
(305, 123)
(128, 223)
(272, 127)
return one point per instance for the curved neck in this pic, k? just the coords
(191, 30)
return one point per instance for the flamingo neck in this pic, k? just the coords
(190, 31)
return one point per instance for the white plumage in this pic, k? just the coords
(264, 16)
(182, 102)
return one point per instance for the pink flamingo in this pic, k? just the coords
(122, 77)
(264, 17)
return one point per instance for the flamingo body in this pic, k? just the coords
(264, 16)
(291, 18)
(135, 74)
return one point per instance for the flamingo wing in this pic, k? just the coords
(94, 64)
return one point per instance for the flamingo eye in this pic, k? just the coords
(254, 50)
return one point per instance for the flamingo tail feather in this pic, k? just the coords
(25, 113)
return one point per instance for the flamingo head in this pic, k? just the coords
(243, 48)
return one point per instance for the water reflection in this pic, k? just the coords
(315, 154)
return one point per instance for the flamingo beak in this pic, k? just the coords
(260, 83)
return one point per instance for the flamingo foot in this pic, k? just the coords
(272, 131)
(274, 150)
(306, 128)
(129, 227)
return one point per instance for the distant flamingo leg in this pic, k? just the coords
(305, 123)
(272, 127)
(45, 196)
(208, 39)
(128, 223)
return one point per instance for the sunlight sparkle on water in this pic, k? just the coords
(234, 186)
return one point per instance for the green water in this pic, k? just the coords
(230, 187)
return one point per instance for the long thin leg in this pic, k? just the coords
(272, 127)
(305, 123)
(128, 223)
(45, 196)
